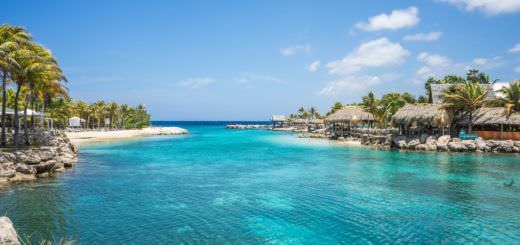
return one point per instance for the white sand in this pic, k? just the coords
(89, 136)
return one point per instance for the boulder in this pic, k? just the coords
(45, 166)
(442, 142)
(32, 158)
(431, 140)
(7, 173)
(46, 155)
(482, 145)
(20, 156)
(24, 169)
(423, 138)
(470, 145)
(456, 146)
(413, 143)
(8, 234)
(505, 146)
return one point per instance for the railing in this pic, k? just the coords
(497, 135)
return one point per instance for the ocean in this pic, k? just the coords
(222, 186)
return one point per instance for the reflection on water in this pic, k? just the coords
(225, 186)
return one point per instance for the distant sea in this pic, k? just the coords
(222, 186)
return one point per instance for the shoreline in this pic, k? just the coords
(95, 136)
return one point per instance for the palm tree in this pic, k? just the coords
(371, 103)
(512, 96)
(390, 104)
(11, 39)
(112, 109)
(467, 98)
(337, 106)
(313, 112)
(302, 113)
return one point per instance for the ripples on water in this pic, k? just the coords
(224, 186)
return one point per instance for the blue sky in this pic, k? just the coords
(245, 60)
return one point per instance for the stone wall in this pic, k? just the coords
(50, 153)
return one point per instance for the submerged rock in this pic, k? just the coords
(8, 234)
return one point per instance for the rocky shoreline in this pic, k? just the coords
(445, 143)
(53, 152)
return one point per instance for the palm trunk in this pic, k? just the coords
(470, 125)
(33, 102)
(42, 116)
(25, 124)
(3, 140)
(16, 121)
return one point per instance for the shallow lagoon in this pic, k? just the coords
(253, 186)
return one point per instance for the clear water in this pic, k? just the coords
(226, 186)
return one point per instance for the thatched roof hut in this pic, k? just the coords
(349, 114)
(495, 116)
(435, 115)
(278, 118)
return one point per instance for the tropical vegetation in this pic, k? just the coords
(33, 81)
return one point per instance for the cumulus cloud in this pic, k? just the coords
(349, 84)
(480, 61)
(246, 78)
(196, 82)
(517, 69)
(434, 60)
(375, 53)
(296, 49)
(351, 69)
(490, 7)
(314, 66)
(398, 19)
(426, 37)
(515, 48)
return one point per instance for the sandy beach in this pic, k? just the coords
(90, 136)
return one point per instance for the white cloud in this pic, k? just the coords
(314, 66)
(517, 69)
(296, 49)
(349, 84)
(247, 77)
(490, 7)
(396, 20)
(196, 82)
(480, 61)
(515, 48)
(427, 37)
(434, 60)
(375, 53)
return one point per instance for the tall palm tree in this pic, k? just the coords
(11, 39)
(467, 98)
(390, 104)
(337, 106)
(302, 113)
(512, 96)
(313, 112)
(371, 103)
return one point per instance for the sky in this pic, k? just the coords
(247, 60)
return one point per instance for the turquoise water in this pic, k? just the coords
(224, 186)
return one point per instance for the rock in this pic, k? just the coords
(7, 173)
(423, 138)
(456, 146)
(46, 155)
(470, 145)
(20, 157)
(45, 166)
(505, 146)
(24, 169)
(413, 143)
(74, 148)
(481, 145)
(8, 234)
(442, 142)
(32, 158)
(431, 140)
(421, 147)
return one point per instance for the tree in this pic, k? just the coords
(467, 98)
(371, 103)
(390, 104)
(11, 40)
(313, 113)
(511, 96)
(337, 106)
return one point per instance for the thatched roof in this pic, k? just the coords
(495, 116)
(435, 115)
(278, 118)
(305, 121)
(350, 113)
